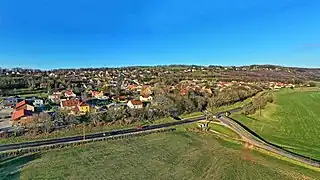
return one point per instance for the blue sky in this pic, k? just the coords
(94, 33)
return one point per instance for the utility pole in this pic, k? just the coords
(84, 131)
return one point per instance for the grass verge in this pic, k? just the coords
(73, 131)
(223, 130)
(292, 121)
(174, 155)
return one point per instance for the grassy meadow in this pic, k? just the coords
(292, 121)
(216, 127)
(173, 155)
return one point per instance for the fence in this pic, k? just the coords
(19, 152)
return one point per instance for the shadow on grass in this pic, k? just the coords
(10, 168)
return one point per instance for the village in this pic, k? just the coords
(30, 97)
(19, 111)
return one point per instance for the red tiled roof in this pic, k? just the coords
(83, 104)
(136, 102)
(21, 103)
(183, 92)
(70, 103)
(22, 112)
(132, 86)
(69, 92)
(95, 93)
(122, 97)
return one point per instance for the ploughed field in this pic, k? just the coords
(292, 121)
(172, 155)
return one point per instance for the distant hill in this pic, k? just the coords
(266, 72)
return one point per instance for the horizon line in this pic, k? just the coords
(159, 65)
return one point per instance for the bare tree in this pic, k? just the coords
(211, 107)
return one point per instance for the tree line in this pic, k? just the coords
(257, 104)
(163, 106)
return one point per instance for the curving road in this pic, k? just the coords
(249, 136)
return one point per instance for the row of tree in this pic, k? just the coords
(164, 105)
(258, 104)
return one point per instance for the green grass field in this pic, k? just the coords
(292, 121)
(223, 130)
(172, 155)
(43, 95)
(191, 115)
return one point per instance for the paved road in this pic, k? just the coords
(93, 136)
(5, 114)
(5, 124)
(257, 141)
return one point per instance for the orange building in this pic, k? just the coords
(69, 104)
(21, 116)
(23, 105)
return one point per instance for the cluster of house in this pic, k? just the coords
(98, 101)
(23, 109)
(222, 84)
(205, 87)
(279, 85)
(73, 104)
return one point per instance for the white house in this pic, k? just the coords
(145, 98)
(135, 104)
(38, 102)
(55, 97)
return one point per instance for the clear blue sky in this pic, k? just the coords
(93, 33)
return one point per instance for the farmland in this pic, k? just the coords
(292, 121)
(174, 155)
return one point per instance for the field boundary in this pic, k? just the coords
(18, 152)
(248, 134)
